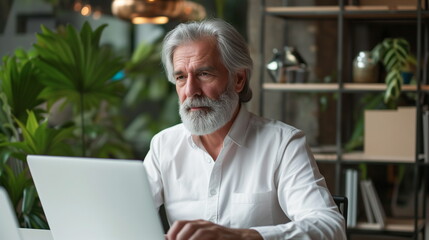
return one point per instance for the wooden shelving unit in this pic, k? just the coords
(336, 155)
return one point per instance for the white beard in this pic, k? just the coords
(219, 112)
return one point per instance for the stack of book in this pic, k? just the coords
(371, 201)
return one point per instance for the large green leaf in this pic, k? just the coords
(6, 118)
(394, 54)
(76, 67)
(28, 200)
(20, 82)
(394, 83)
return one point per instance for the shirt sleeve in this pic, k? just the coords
(303, 196)
(153, 170)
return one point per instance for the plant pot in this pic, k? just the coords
(406, 77)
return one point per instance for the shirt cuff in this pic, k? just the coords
(269, 232)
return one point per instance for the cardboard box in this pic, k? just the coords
(390, 133)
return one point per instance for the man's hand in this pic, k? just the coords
(200, 229)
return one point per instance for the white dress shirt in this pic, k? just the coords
(264, 178)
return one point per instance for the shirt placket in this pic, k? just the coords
(213, 193)
(214, 187)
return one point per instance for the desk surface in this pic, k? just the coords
(35, 234)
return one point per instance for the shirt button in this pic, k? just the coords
(213, 192)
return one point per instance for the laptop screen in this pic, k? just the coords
(90, 198)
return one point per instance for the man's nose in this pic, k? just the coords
(193, 87)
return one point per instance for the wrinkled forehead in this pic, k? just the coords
(200, 51)
(211, 40)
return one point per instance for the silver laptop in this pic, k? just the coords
(8, 223)
(91, 199)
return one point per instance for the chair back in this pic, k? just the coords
(342, 204)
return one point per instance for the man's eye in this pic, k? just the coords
(204, 74)
(178, 78)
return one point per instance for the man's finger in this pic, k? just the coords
(184, 229)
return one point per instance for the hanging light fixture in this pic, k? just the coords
(156, 11)
(192, 11)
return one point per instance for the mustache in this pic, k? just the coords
(200, 101)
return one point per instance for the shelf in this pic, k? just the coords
(361, 157)
(332, 12)
(302, 87)
(332, 87)
(325, 157)
(350, 87)
(392, 225)
(304, 12)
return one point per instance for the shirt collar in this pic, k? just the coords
(237, 133)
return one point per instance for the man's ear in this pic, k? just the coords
(240, 80)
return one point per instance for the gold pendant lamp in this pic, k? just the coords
(157, 11)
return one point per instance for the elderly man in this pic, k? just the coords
(225, 173)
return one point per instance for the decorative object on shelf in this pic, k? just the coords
(287, 66)
(157, 11)
(395, 55)
(391, 133)
(365, 69)
(274, 65)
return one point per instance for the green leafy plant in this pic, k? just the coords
(36, 139)
(21, 134)
(395, 55)
(76, 68)
(18, 76)
(19, 91)
(65, 66)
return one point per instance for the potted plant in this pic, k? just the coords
(394, 54)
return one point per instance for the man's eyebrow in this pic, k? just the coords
(200, 69)
(177, 73)
(206, 68)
